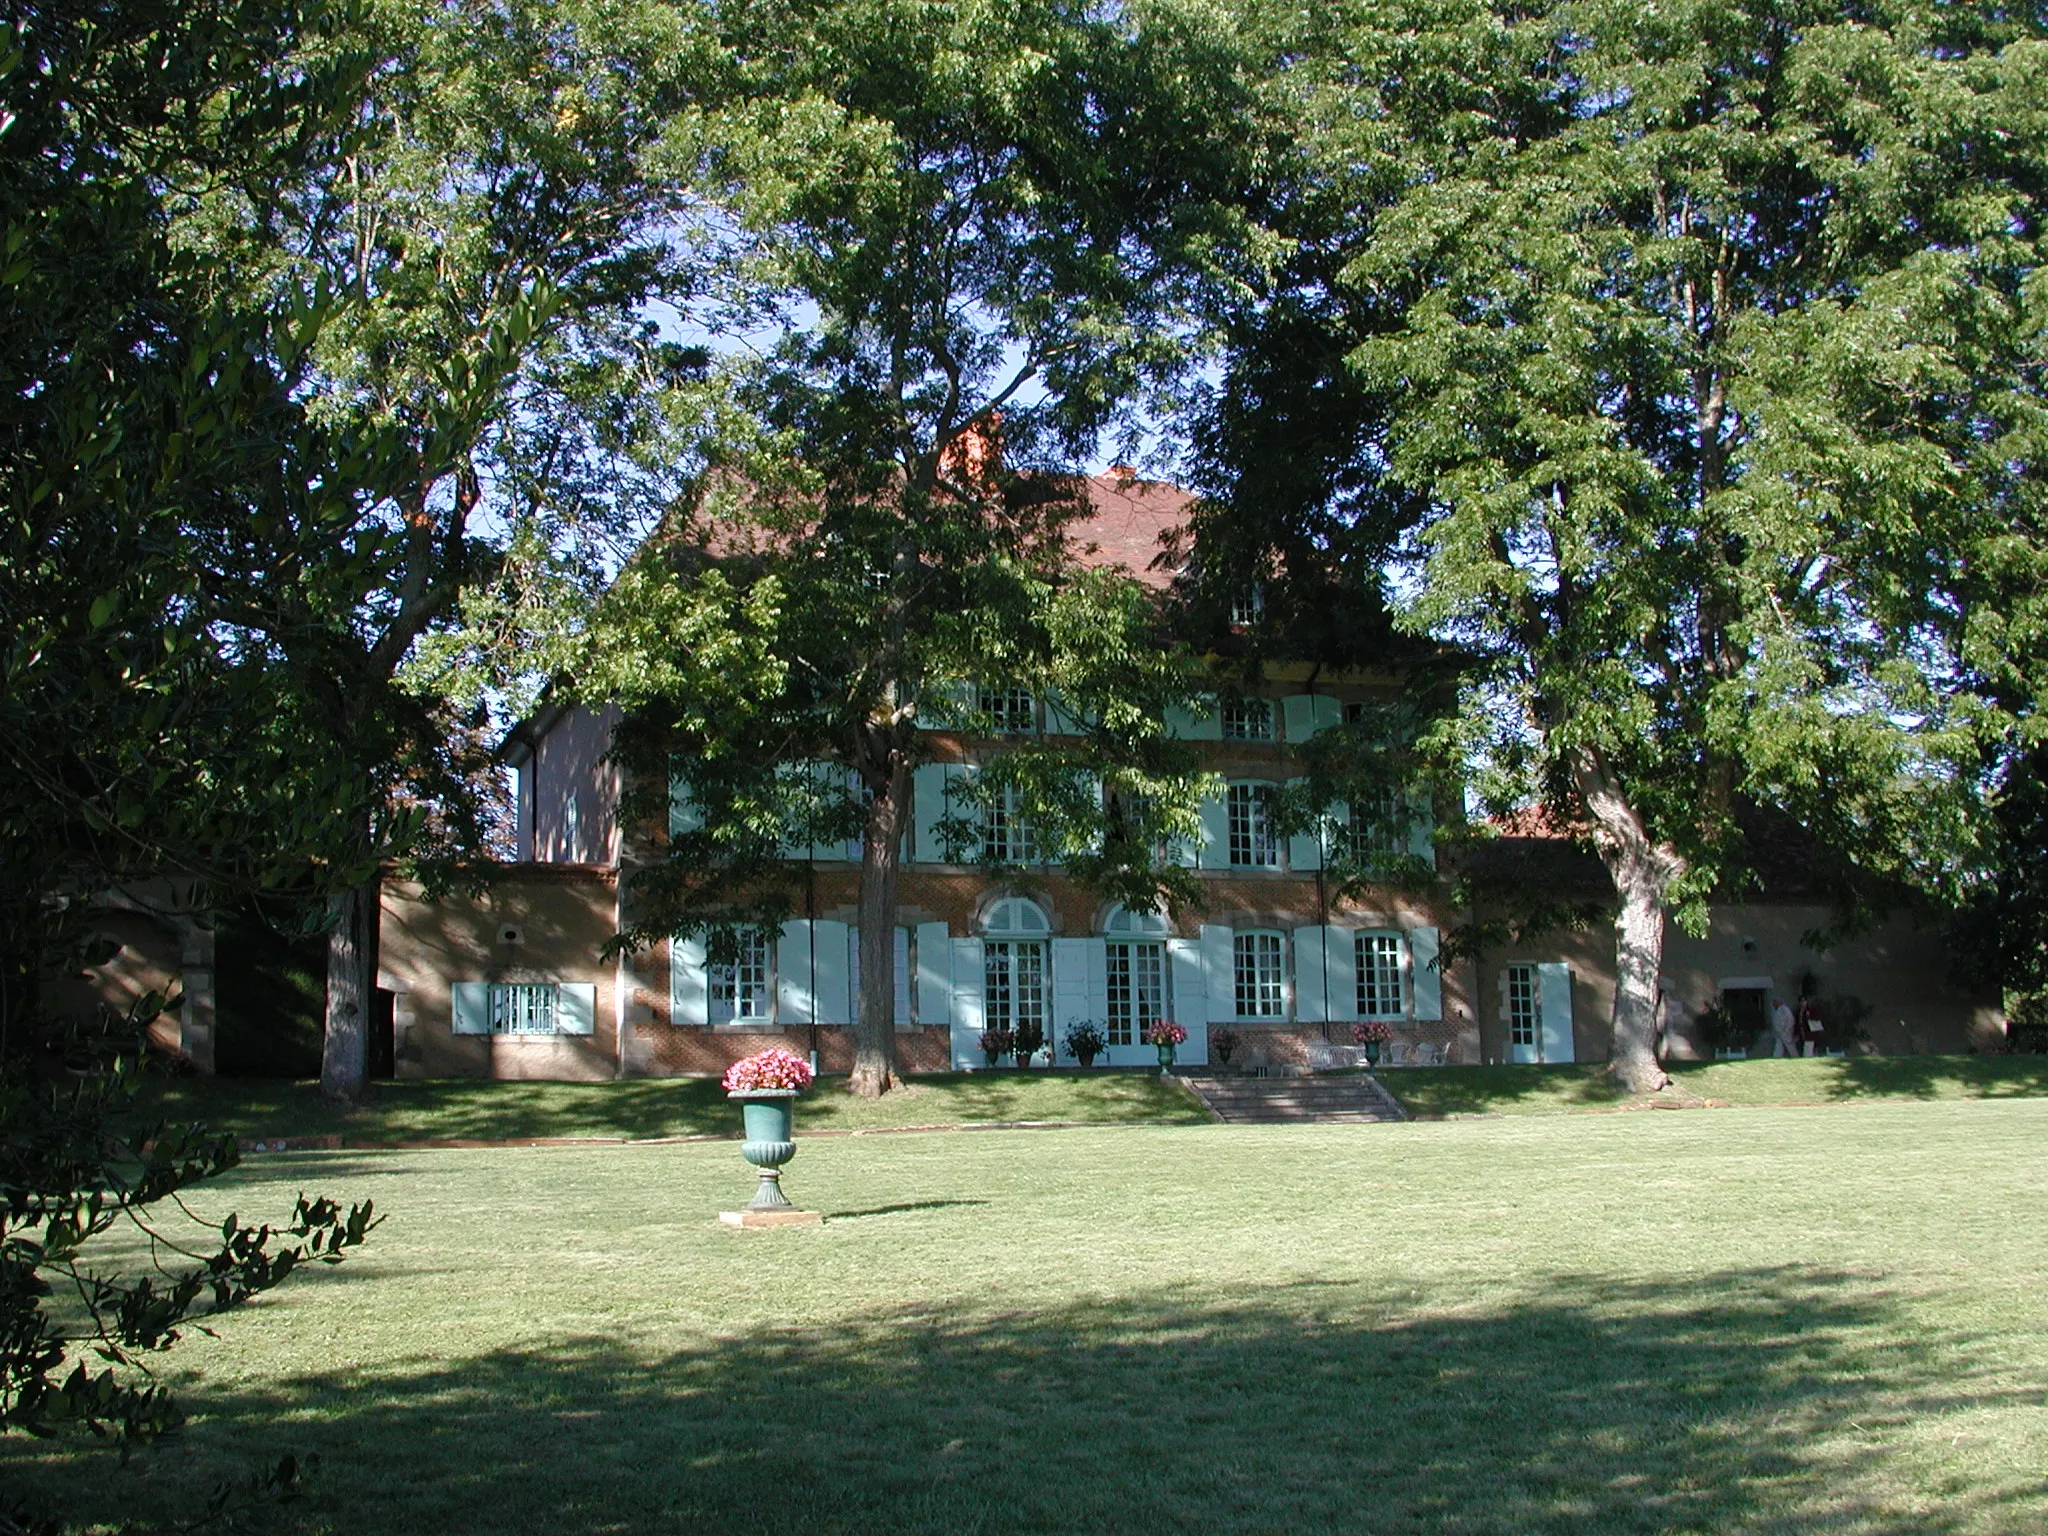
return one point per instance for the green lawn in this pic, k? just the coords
(1783, 1321)
(1434, 1093)
(648, 1108)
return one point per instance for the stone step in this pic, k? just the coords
(1351, 1099)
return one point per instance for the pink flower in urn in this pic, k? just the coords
(1165, 1032)
(768, 1069)
(1372, 1032)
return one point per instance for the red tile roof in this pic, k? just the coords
(1128, 525)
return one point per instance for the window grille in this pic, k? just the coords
(1253, 842)
(1009, 710)
(1006, 836)
(740, 990)
(1521, 980)
(1377, 828)
(1248, 720)
(1379, 976)
(524, 1009)
(1014, 976)
(1260, 977)
(1137, 990)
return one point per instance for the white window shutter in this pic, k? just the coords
(795, 1001)
(1329, 712)
(829, 976)
(1554, 998)
(576, 1008)
(1311, 972)
(1340, 962)
(1422, 829)
(470, 1007)
(1187, 960)
(1425, 981)
(934, 975)
(969, 982)
(689, 999)
(1216, 830)
(1062, 718)
(1298, 715)
(928, 805)
(1305, 849)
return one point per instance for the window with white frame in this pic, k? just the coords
(525, 1008)
(1247, 604)
(1260, 972)
(1248, 720)
(1137, 989)
(1253, 842)
(1005, 830)
(1014, 975)
(1377, 829)
(1521, 1000)
(1379, 976)
(739, 992)
(1010, 710)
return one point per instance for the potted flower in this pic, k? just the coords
(1085, 1041)
(1372, 1034)
(1030, 1040)
(765, 1086)
(1165, 1034)
(1223, 1044)
(996, 1044)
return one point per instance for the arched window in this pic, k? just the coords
(1122, 920)
(1016, 914)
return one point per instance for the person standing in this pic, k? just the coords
(1781, 1030)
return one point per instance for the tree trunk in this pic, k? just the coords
(352, 917)
(1642, 872)
(874, 1029)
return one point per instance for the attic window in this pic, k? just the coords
(1009, 709)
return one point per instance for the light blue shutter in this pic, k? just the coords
(901, 972)
(1298, 715)
(927, 805)
(1311, 973)
(1305, 849)
(1063, 719)
(1422, 829)
(1219, 965)
(684, 813)
(1199, 723)
(1425, 981)
(1187, 960)
(576, 1008)
(1069, 987)
(1554, 997)
(689, 1000)
(1340, 961)
(470, 1007)
(934, 976)
(969, 984)
(829, 978)
(795, 1002)
(1329, 712)
(1216, 829)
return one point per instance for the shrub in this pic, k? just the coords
(1223, 1044)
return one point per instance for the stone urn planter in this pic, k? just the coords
(1165, 1036)
(768, 1117)
(765, 1086)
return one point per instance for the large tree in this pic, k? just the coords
(972, 235)
(1702, 335)
(145, 730)
(489, 252)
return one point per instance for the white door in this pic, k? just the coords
(1139, 989)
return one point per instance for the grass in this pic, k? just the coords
(1793, 1321)
(650, 1108)
(1436, 1093)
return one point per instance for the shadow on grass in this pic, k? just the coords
(899, 1209)
(1775, 1400)
(1934, 1077)
(1433, 1093)
(646, 1108)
